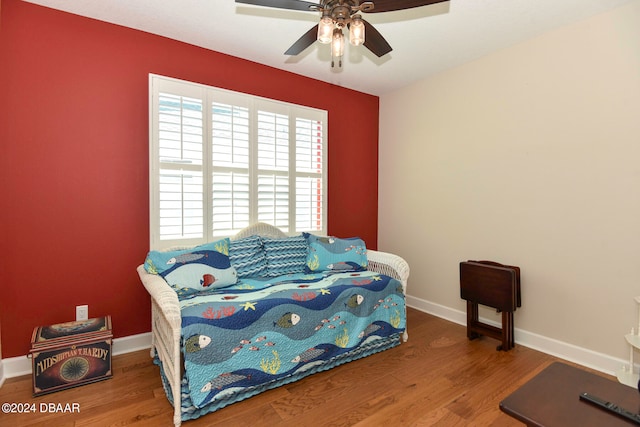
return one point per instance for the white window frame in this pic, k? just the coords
(208, 94)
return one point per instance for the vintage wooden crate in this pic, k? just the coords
(70, 354)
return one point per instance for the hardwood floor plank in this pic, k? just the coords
(346, 405)
(256, 410)
(148, 411)
(440, 417)
(437, 378)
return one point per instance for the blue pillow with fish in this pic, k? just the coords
(335, 255)
(193, 270)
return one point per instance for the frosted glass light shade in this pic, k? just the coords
(337, 43)
(325, 29)
(356, 31)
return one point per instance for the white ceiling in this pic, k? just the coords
(425, 40)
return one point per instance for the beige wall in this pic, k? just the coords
(529, 156)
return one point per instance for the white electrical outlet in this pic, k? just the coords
(82, 312)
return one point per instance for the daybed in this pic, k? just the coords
(298, 307)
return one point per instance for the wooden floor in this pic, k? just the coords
(438, 377)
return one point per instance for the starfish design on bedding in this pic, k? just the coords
(249, 305)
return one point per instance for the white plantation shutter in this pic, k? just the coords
(181, 205)
(309, 167)
(309, 203)
(230, 135)
(231, 203)
(179, 197)
(231, 185)
(273, 169)
(221, 160)
(273, 141)
(180, 129)
(273, 200)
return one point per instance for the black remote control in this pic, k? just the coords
(627, 415)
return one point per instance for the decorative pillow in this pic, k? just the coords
(193, 270)
(247, 257)
(333, 254)
(285, 255)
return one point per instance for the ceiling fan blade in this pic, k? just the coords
(303, 42)
(283, 4)
(391, 5)
(374, 41)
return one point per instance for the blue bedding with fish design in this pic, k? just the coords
(258, 334)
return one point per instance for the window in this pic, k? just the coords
(222, 160)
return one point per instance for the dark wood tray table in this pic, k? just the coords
(551, 399)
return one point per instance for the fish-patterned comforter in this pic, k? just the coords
(259, 331)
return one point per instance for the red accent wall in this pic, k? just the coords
(74, 161)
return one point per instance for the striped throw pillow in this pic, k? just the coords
(248, 257)
(285, 255)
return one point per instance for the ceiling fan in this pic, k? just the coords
(338, 14)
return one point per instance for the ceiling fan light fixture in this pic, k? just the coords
(336, 14)
(356, 31)
(325, 29)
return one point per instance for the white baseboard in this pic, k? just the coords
(17, 366)
(131, 343)
(21, 365)
(582, 356)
